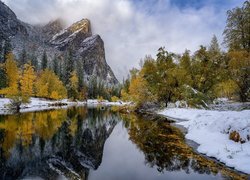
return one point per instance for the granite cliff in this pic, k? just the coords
(57, 39)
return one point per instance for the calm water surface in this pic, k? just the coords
(98, 144)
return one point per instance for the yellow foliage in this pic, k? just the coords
(138, 90)
(12, 77)
(114, 99)
(48, 85)
(27, 82)
(226, 89)
(100, 98)
(125, 96)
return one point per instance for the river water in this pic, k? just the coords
(98, 143)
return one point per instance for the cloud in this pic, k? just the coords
(132, 29)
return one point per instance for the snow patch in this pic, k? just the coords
(210, 129)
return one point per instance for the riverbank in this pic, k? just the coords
(212, 130)
(39, 104)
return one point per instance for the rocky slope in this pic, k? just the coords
(56, 39)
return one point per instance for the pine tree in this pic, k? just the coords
(44, 63)
(3, 80)
(7, 49)
(74, 83)
(27, 82)
(23, 58)
(237, 33)
(34, 61)
(55, 66)
(214, 46)
(69, 67)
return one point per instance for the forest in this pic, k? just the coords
(25, 77)
(197, 79)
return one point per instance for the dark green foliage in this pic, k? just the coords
(34, 61)
(7, 48)
(44, 63)
(23, 58)
(55, 66)
(237, 31)
(3, 80)
(69, 66)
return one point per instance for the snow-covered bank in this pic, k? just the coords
(38, 104)
(210, 129)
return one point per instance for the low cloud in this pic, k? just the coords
(132, 29)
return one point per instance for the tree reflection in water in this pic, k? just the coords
(69, 142)
(164, 147)
(56, 143)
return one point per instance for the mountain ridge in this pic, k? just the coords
(56, 40)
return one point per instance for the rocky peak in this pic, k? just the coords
(88, 50)
(72, 36)
(9, 24)
(53, 27)
(81, 26)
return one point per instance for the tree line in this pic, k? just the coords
(63, 77)
(200, 77)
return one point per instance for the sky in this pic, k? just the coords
(132, 29)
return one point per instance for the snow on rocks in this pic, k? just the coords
(211, 129)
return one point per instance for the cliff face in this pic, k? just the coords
(56, 40)
(9, 24)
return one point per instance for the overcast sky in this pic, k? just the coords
(132, 29)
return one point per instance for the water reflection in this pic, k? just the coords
(68, 143)
(53, 143)
(164, 148)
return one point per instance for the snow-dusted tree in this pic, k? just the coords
(44, 63)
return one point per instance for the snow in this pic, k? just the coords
(210, 129)
(38, 104)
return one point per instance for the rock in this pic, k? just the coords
(88, 49)
(181, 104)
(9, 24)
(235, 136)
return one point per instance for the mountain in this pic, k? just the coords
(57, 40)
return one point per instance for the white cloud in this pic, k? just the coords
(131, 30)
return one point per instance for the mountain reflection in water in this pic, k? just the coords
(69, 143)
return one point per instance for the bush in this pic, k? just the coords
(114, 99)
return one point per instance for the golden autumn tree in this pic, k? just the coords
(48, 85)
(239, 69)
(27, 82)
(139, 90)
(12, 90)
(12, 77)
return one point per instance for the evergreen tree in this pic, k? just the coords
(34, 61)
(92, 88)
(44, 63)
(214, 47)
(69, 67)
(23, 58)
(7, 49)
(237, 33)
(1, 52)
(55, 66)
(3, 80)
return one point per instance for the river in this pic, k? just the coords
(98, 143)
